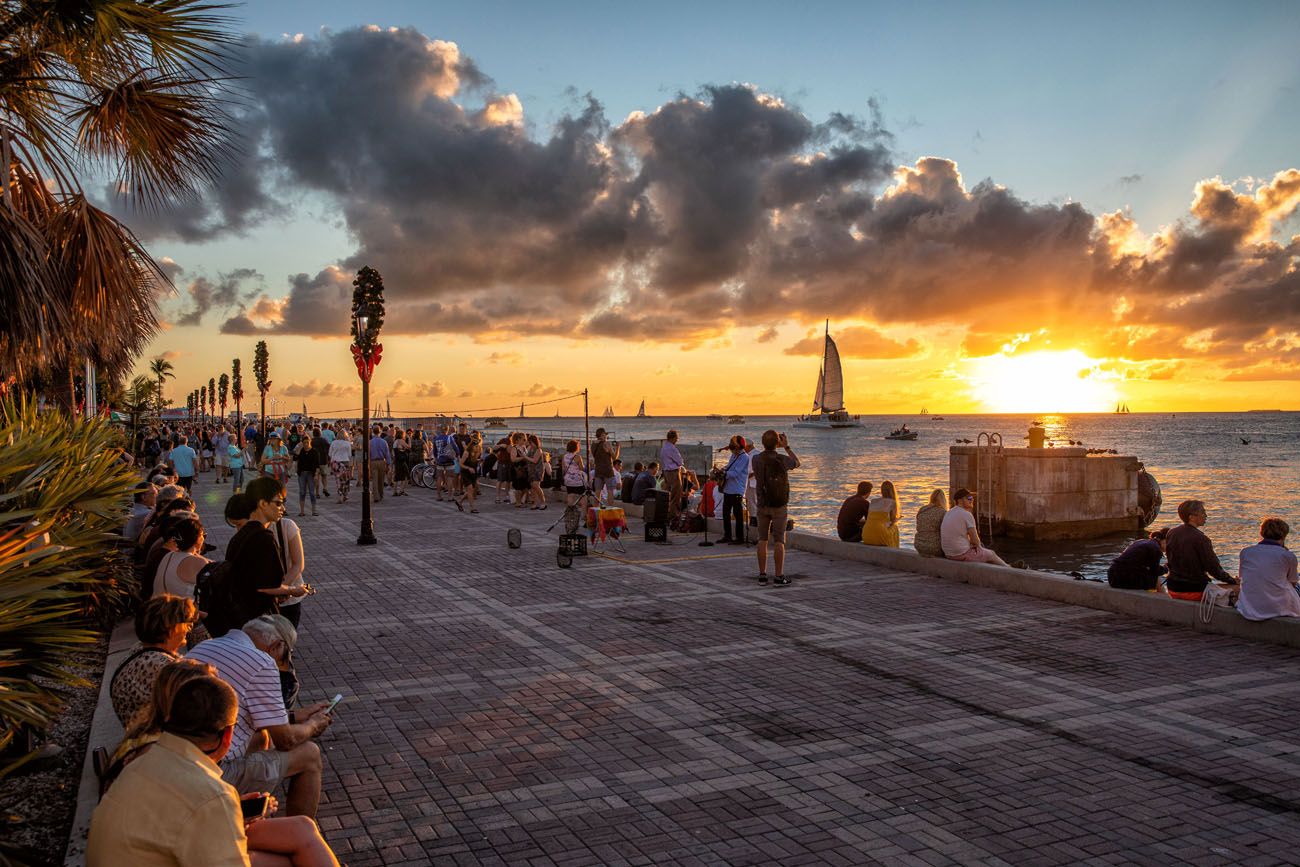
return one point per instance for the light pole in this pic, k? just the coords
(367, 320)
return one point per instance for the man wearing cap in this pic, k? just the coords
(250, 660)
(959, 537)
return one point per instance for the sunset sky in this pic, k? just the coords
(1006, 207)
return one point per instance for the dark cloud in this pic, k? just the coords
(721, 208)
(1130, 180)
(857, 342)
(768, 334)
(223, 294)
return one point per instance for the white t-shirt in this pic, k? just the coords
(952, 532)
(341, 451)
(291, 532)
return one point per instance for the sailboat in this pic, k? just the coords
(521, 409)
(1121, 408)
(640, 413)
(828, 410)
(924, 411)
(608, 413)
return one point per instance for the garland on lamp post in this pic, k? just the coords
(212, 397)
(203, 404)
(262, 372)
(223, 391)
(367, 320)
(237, 393)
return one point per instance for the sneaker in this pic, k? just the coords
(762, 579)
(781, 581)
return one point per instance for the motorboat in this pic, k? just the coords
(901, 433)
(828, 412)
(495, 421)
(714, 416)
(736, 419)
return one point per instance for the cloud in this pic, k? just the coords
(667, 370)
(174, 354)
(538, 390)
(466, 393)
(514, 359)
(315, 388)
(857, 342)
(224, 293)
(729, 205)
(401, 387)
(1130, 180)
(768, 334)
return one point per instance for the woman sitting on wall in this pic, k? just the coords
(881, 528)
(1139, 567)
(928, 522)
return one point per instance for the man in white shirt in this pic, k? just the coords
(958, 535)
(670, 463)
(250, 660)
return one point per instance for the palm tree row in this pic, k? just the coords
(137, 85)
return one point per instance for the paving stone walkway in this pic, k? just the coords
(662, 708)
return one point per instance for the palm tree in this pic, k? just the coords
(133, 85)
(162, 370)
(262, 370)
(237, 392)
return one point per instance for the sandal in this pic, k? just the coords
(473, 511)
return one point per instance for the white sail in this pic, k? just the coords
(833, 379)
(821, 386)
(640, 413)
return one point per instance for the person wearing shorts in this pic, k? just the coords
(603, 455)
(958, 535)
(772, 485)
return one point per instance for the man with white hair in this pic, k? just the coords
(250, 660)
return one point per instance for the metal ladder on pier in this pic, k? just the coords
(985, 505)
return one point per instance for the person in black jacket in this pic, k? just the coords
(307, 462)
(1192, 561)
(256, 571)
(1139, 567)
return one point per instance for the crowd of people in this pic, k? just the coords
(208, 699)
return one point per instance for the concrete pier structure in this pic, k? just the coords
(1048, 493)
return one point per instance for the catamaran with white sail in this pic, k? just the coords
(828, 412)
(640, 413)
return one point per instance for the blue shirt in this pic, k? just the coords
(183, 460)
(669, 458)
(737, 474)
(379, 449)
(644, 483)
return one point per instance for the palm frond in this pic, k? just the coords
(109, 283)
(28, 293)
(165, 138)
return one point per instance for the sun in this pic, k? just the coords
(1043, 381)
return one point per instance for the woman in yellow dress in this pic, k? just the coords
(882, 518)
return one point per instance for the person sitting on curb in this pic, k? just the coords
(853, 514)
(1192, 561)
(1268, 575)
(958, 536)
(929, 520)
(645, 482)
(170, 806)
(1139, 567)
(250, 660)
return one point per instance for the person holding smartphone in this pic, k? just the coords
(772, 484)
(170, 805)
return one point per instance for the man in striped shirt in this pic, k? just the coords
(250, 660)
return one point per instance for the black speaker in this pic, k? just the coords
(628, 484)
(655, 510)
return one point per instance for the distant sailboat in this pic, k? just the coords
(924, 411)
(521, 409)
(1121, 408)
(608, 413)
(828, 404)
(640, 413)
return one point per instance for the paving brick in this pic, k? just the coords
(661, 708)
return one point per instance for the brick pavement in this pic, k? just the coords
(666, 710)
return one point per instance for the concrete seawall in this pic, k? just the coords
(1284, 631)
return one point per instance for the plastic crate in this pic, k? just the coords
(656, 533)
(574, 544)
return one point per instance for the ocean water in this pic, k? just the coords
(1192, 455)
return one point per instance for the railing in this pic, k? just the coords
(985, 472)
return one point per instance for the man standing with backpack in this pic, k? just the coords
(772, 480)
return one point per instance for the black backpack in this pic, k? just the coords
(774, 484)
(213, 596)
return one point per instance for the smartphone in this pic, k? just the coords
(334, 702)
(254, 806)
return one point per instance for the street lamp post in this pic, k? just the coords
(367, 320)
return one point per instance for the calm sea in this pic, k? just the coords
(1193, 455)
